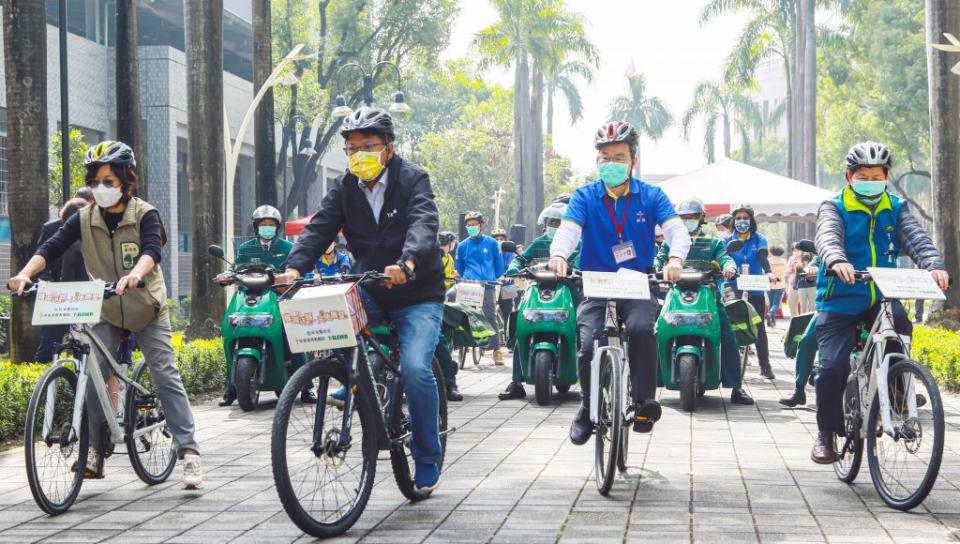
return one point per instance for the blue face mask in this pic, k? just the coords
(613, 173)
(267, 232)
(869, 191)
(742, 225)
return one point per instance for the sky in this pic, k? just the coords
(661, 38)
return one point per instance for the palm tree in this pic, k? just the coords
(263, 126)
(647, 113)
(204, 36)
(728, 107)
(944, 16)
(562, 79)
(25, 63)
(129, 114)
(530, 35)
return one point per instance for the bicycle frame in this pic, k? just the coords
(87, 374)
(616, 349)
(872, 366)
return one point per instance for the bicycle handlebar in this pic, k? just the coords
(109, 290)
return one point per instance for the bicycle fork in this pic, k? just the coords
(616, 361)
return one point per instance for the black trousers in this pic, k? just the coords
(759, 302)
(50, 335)
(639, 318)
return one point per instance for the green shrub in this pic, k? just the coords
(201, 365)
(939, 349)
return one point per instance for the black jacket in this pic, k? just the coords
(407, 229)
(52, 272)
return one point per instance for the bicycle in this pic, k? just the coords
(323, 467)
(881, 363)
(56, 436)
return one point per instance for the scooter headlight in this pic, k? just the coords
(700, 319)
(258, 321)
(557, 316)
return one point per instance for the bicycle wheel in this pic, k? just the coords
(323, 487)
(851, 449)
(55, 455)
(744, 361)
(625, 435)
(463, 356)
(150, 445)
(904, 466)
(400, 455)
(477, 354)
(609, 426)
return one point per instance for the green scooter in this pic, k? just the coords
(546, 333)
(252, 333)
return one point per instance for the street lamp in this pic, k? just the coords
(399, 105)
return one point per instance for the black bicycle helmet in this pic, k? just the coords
(447, 237)
(869, 154)
(110, 152)
(369, 119)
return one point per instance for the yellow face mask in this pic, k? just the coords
(365, 165)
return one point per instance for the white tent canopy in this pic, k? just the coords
(729, 183)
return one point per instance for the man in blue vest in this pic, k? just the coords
(862, 226)
(616, 216)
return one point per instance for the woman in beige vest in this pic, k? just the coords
(121, 238)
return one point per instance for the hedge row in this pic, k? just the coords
(201, 365)
(939, 349)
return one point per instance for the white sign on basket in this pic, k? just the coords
(622, 284)
(322, 317)
(470, 294)
(68, 303)
(754, 282)
(906, 283)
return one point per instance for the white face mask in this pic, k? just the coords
(107, 197)
(692, 225)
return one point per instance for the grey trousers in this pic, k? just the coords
(156, 344)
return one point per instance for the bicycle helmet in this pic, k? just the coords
(553, 212)
(447, 237)
(368, 119)
(617, 131)
(473, 216)
(725, 220)
(110, 152)
(869, 154)
(691, 206)
(498, 232)
(266, 212)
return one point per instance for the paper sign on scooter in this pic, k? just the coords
(68, 303)
(906, 283)
(622, 284)
(470, 294)
(755, 282)
(323, 317)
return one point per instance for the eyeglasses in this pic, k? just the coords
(93, 183)
(369, 148)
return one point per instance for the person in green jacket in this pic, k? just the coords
(539, 248)
(267, 246)
(807, 347)
(706, 250)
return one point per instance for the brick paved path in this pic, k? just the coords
(724, 474)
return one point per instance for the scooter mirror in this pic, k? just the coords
(508, 247)
(734, 246)
(807, 246)
(216, 251)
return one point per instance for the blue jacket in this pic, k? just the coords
(479, 259)
(748, 255)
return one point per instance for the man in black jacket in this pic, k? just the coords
(385, 207)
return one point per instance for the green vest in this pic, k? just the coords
(109, 258)
(273, 254)
(704, 250)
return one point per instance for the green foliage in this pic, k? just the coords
(4, 323)
(78, 174)
(939, 349)
(647, 113)
(179, 313)
(558, 177)
(727, 108)
(200, 362)
(769, 154)
(873, 85)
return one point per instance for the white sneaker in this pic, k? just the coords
(192, 475)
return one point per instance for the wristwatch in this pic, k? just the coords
(406, 270)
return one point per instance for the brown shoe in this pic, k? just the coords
(497, 357)
(823, 452)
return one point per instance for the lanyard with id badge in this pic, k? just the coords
(623, 251)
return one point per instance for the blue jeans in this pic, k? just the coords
(776, 297)
(418, 328)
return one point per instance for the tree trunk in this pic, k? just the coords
(808, 97)
(129, 113)
(944, 16)
(204, 45)
(521, 112)
(536, 143)
(727, 137)
(263, 125)
(25, 62)
(550, 119)
(797, 103)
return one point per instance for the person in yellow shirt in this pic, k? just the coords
(448, 242)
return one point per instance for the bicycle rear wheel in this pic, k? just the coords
(609, 426)
(323, 483)
(904, 466)
(848, 465)
(55, 455)
(153, 453)
(400, 453)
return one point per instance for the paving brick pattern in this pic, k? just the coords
(724, 474)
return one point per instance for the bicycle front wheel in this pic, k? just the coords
(56, 454)
(323, 474)
(609, 426)
(150, 445)
(904, 466)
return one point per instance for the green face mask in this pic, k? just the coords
(473, 231)
(267, 232)
(613, 173)
(868, 189)
(551, 231)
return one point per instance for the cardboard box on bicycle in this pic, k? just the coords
(323, 317)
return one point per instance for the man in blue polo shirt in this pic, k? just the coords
(479, 259)
(616, 216)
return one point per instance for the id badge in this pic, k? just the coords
(623, 252)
